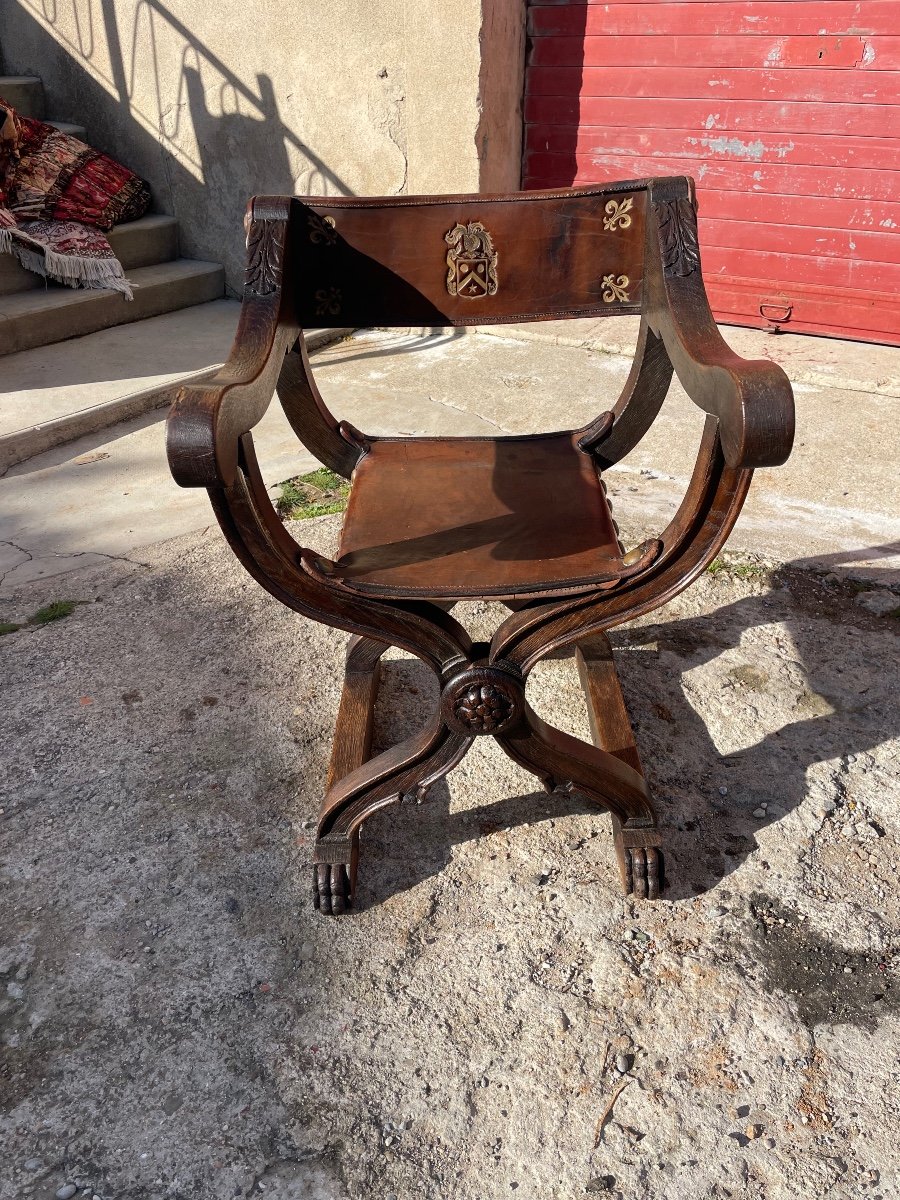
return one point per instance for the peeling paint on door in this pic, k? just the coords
(797, 166)
(734, 146)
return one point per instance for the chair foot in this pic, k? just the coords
(332, 891)
(407, 769)
(642, 872)
(640, 864)
(334, 876)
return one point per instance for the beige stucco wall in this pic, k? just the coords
(214, 100)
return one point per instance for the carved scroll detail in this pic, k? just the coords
(615, 289)
(265, 241)
(678, 236)
(618, 214)
(471, 262)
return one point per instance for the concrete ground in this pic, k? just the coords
(495, 1019)
(57, 393)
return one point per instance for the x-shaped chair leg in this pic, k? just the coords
(408, 768)
(564, 763)
(478, 698)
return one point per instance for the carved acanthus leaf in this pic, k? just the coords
(265, 241)
(678, 236)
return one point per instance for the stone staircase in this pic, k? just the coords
(114, 360)
(34, 313)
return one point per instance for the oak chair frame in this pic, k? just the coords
(647, 225)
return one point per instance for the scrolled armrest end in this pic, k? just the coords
(197, 456)
(756, 415)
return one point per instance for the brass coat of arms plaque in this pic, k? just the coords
(471, 261)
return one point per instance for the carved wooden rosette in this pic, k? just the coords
(482, 700)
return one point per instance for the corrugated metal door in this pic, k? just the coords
(787, 114)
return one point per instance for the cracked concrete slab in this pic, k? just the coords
(33, 568)
(177, 1023)
(11, 557)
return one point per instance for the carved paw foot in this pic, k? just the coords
(331, 888)
(643, 875)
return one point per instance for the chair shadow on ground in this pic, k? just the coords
(843, 708)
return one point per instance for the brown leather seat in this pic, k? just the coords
(476, 517)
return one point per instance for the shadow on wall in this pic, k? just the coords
(248, 141)
(221, 138)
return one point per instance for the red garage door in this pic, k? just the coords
(787, 114)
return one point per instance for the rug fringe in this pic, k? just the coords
(67, 268)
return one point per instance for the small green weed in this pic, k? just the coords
(53, 612)
(749, 571)
(738, 570)
(312, 495)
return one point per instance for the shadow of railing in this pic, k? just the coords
(151, 95)
(123, 75)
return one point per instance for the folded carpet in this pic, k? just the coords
(57, 196)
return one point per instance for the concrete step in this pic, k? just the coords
(152, 239)
(55, 394)
(75, 131)
(141, 243)
(40, 317)
(25, 93)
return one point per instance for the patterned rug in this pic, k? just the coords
(57, 196)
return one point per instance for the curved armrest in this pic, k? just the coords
(207, 420)
(751, 398)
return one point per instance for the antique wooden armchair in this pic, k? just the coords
(522, 520)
